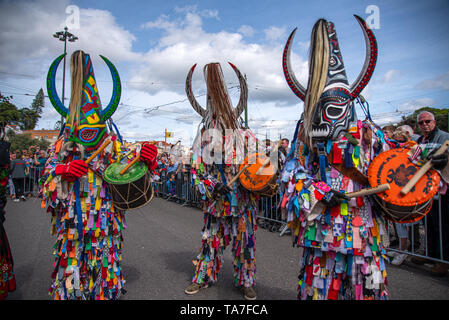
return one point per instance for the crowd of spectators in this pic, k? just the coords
(172, 178)
(25, 169)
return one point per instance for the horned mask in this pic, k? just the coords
(219, 113)
(328, 98)
(85, 118)
(218, 100)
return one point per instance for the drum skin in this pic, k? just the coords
(263, 183)
(132, 189)
(395, 168)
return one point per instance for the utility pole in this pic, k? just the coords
(64, 36)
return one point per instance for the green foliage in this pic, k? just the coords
(8, 112)
(29, 118)
(26, 118)
(24, 141)
(441, 116)
(38, 102)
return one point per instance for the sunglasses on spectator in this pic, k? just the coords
(424, 121)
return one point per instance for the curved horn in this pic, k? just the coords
(370, 60)
(116, 92)
(51, 88)
(196, 106)
(292, 82)
(243, 92)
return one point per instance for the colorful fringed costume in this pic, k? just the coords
(88, 248)
(230, 215)
(7, 277)
(230, 219)
(344, 245)
(343, 240)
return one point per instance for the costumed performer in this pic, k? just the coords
(88, 248)
(229, 211)
(342, 239)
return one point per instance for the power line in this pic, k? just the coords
(15, 87)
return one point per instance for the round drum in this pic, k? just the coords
(132, 189)
(258, 179)
(395, 168)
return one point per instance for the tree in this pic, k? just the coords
(24, 141)
(38, 103)
(28, 118)
(8, 111)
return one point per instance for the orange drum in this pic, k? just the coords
(395, 168)
(257, 177)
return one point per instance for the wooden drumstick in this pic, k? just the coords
(426, 167)
(104, 145)
(369, 191)
(319, 206)
(237, 176)
(130, 164)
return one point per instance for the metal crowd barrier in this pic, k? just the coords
(179, 187)
(28, 186)
(271, 217)
(417, 235)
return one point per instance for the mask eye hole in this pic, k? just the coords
(334, 111)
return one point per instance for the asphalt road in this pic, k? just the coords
(160, 242)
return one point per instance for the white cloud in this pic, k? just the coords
(246, 30)
(390, 75)
(206, 13)
(185, 42)
(161, 23)
(99, 33)
(275, 34)
(156, 77)
(438, 82)
(385, 121)
(26, 35)
(28, 46)
(304, 45)
(366, 92)
(416, 104)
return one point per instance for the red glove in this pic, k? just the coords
(148, 154)
(73, 170)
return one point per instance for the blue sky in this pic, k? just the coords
(154, 43)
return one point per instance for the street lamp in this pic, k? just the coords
(64, 36)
